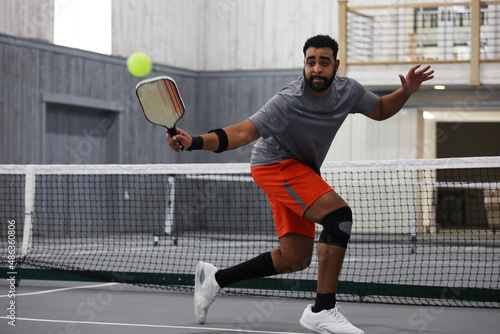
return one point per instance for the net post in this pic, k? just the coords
(169, 209)
(29, 203)
(413, 220)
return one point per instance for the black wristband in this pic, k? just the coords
(196, 144)
(223, 141)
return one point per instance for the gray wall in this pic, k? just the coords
(78, 91)
(88, 99)
(28, 18)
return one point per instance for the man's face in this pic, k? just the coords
(319, 70)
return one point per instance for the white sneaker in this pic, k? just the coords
(327, 322)
(205, 289)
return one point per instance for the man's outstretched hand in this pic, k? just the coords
(411, 83)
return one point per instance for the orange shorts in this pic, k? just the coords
(291, 188)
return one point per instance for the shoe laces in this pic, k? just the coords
(337, 315)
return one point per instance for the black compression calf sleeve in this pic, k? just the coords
(260, 266)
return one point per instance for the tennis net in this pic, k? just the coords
(425, 231)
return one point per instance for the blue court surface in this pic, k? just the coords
(55, 307)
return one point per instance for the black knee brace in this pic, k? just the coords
(337, 227)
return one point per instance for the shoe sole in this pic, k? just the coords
(305, 326)
(197, 286)
(317, 330)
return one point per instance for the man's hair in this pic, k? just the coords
(322, 41)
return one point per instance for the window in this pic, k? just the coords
(83, 24)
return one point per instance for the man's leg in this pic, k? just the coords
(330, 257)
(333, 213)
(330, 260)
(294, 254)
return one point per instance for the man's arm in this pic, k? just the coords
(238, 135)
(390, 104)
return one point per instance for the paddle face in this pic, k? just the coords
(161, 102)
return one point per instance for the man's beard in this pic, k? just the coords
(318, 87)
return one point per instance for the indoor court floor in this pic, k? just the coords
(59, 307)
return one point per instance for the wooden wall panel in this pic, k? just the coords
(18, 104)
(35, 73)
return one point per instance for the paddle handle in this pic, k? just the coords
(172, 131)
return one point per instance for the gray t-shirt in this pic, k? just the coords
(294, 124)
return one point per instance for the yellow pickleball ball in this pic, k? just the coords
(139, 64)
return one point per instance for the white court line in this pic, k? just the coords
(151, 326)
(62, 289)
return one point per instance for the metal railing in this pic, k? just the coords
(461, 32)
